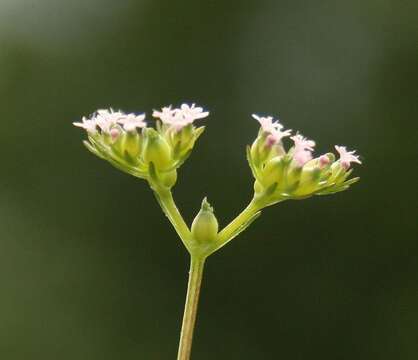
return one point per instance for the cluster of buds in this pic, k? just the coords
(295, 174)
(125, 141)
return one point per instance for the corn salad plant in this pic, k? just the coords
(155, 155)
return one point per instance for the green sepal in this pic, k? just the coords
(182, 160)
(250, 162)
(93, 150)
(351, 181)
(153, 172)
(177, 149)
(198, 132)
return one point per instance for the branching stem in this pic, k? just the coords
(198, 255)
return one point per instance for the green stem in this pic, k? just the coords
(228, 232)
(190, 309)
(166, 201)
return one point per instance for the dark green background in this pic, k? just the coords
(89, 266)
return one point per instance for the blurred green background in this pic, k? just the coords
(89, 266)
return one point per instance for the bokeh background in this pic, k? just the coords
(91, 269)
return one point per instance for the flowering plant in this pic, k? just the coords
(155, 154)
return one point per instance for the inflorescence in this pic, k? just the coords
(155, 154)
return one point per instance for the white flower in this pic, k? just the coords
(167, 115)
(274, 128)
(267, 123)
(347, 157)
(303, 149)
(191, 113)
(87, 124)
(179, 118)
(106, 119)
(302, 143)
(131, 121)
(323, 161)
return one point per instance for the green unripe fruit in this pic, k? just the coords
(273, 172)
(205, 225)
(132, 144)
(308, 181)
(156, 150)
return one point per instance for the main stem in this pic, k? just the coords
(190, 309)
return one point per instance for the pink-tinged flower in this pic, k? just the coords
(274, 128)
(303, 149)
(266, 123)
(114, 133)
(302, 143)
(301, 157)
(323, 161)
(131, 122)
(347, 157)
(277, 134)
(87, 124)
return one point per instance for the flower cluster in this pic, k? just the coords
(295, 174)
(129, 144)
(155, 154)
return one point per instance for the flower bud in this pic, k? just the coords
(156, 150)
(205, 225)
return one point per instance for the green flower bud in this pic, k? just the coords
(156, 150)
(205, 225)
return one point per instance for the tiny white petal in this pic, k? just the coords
(131, 122)
(181, 117)
(87, 124)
